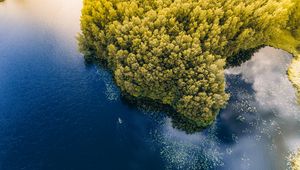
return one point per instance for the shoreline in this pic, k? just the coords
(294, 75)
(295, 161)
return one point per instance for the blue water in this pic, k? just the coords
(57, 113)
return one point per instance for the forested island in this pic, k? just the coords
(175, 51)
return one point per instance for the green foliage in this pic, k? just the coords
(175, 51)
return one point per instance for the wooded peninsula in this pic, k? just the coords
(175, 51)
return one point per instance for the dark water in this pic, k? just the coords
(58, 113)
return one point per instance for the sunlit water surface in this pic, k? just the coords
(58, 113)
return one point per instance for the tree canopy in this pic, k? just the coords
(175, 51)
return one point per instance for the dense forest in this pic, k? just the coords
(175, 51)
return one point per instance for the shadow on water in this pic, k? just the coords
(178, 121)
(241, 57)
(147, 105)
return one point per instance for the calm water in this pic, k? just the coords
(57, 113)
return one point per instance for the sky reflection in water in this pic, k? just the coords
(258, 129)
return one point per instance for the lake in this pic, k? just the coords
(57, 112)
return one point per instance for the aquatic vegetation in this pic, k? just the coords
(175, 52)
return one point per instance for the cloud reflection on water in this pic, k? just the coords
(266, 71)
